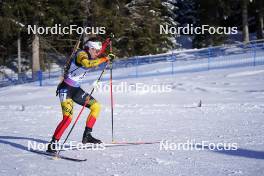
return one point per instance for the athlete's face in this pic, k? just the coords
(93, 52)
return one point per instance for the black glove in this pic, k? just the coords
(111, 57)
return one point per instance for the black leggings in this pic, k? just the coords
(78, 95)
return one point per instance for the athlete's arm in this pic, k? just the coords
(82, 58)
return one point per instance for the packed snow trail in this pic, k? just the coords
(232, 111)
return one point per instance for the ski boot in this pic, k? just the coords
(52, 146)
(88, 138)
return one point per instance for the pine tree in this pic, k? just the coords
(16, 15)
(181, 13)
(134, 23)
(259, 16)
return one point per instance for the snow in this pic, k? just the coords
(246, 73)
(6, 70)
(232, 112)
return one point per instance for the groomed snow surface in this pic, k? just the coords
(232, 113)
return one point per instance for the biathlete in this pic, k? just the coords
(69, 91)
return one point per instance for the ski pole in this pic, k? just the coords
(111, 92)
(86, 102)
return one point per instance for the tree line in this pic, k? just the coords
(135, 24)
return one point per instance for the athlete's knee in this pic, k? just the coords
(95, 109)
(67, 108)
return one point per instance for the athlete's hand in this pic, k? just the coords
(111, 57)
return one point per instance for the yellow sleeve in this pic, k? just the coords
(82, 58)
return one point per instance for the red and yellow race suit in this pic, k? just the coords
(70, 91)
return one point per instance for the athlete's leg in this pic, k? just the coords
(64, 92)
(67, 109)
(80, 97)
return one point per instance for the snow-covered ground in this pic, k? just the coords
(232, 112)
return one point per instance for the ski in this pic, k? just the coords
(56, 156)
(101, 146)
(136, 143)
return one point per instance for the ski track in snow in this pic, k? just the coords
(232, 111)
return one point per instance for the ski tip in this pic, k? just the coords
(55, 158)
